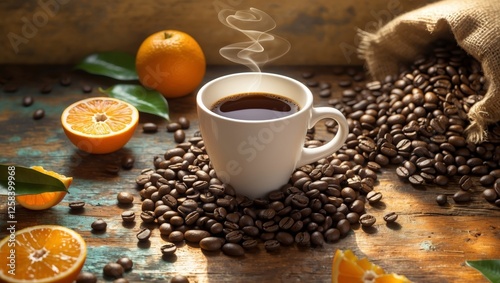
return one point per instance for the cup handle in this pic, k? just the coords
(310, 155)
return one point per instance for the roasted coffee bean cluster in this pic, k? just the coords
(184, 196)
(417, 120)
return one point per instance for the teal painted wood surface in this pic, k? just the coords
(429, 243)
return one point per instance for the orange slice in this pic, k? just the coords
(48, 199)
(100, 124)
(42, 254)
(347, 268)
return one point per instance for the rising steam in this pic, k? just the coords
(262, 47)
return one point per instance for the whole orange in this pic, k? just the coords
(171, 62)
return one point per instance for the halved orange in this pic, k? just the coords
(347, 268)
(100, 124)
(42, 254)
(48, 199)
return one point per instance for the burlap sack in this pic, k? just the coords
(475, 25)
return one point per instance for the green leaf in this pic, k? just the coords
(489, 268)
(19, 180)
(117, 65)
(145, 100)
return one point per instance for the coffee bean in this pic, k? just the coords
(27, 101)
(99, 225)
(149, 128)
(127, 162)
(416, 180)
(126, 263)
(367, 220)
(272, 245)
(211, 243)
(65, 80)
(195, 236)
(10, 87)
(113, 269)
(38, 114)
(86, 88)
(143, 234)
(176, 236)
(174, 126)
(183, 122)
(120, 280)
(112, 169)
(46, 88)
(125, 198)
(179, 279)
(168, 249)
(462, 196)
(179, 136)
(232, 249)
(128, 216)
(373, 197)
(465, 183)
(76, 205)
(86, 277)
(390, 217)
(490, 195)
(441, 199)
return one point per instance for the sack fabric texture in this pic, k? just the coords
(473, 24)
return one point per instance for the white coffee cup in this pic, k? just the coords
(259, 156)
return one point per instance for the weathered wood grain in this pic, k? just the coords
(428, 243)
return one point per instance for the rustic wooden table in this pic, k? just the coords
(429, 243)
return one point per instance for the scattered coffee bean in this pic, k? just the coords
(76, 205)
(38, 114)
(27, 101)
(462, 196)
(128, 216)
(441, 199)
(99, 225)
(86, 88)
(125, 198)
(65, 80)
(179, 136)
(86, 277)
(126, 263)
(10, 87)
(174, 126)
(127, 162)
(390, 217)
(168, 249)
(183, 122)
(179, 279)
(112, 169)
(143, 235)
(46, 88)
(113, 269)
(121, 280)
(374, 197)
(367, 220)
(149, 128)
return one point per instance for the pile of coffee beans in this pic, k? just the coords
(183, 195)
(417, 120)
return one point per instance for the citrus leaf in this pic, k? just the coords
(489, 268)
(145, 100)
(19, 180)
(117, 65)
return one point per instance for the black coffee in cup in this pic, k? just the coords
(255, 106)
